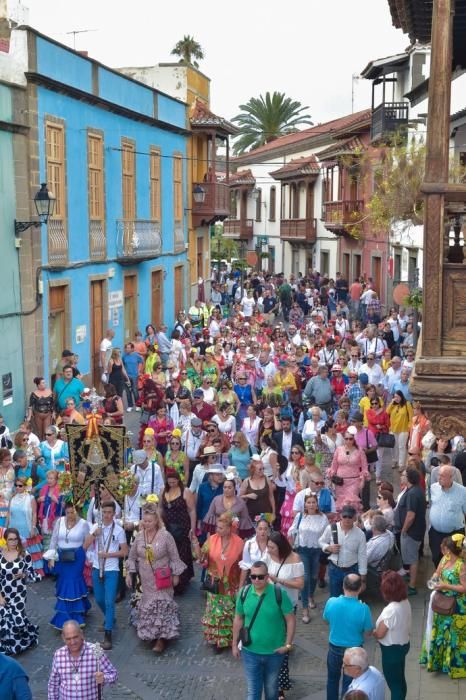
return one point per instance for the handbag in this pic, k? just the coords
(443, 604)
(211, 584)
(385, 440)
(371, 452)
(337, 480)
(67, 555)
(162, 577)
(245, 632)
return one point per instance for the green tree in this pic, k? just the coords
(264, 119)
(188, 49)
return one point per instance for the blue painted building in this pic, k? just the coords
(114, 255)
(11, 366)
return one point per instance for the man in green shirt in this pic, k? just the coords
(285, 294)
(271, 631)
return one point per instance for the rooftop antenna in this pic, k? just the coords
(80, 31)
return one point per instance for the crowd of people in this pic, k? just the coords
(266, 416)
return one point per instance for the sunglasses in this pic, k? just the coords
(211, 430)
(347, 517)
(295, 452)
(257, 577)
(19, 486)
(379, 496)
(349, 438)
(172, 444)
(147, 442)
(49, 434)
(318, 483)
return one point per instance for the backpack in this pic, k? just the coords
(278, 594)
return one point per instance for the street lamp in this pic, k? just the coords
(45, 206)
(199, 194)
(255, 194)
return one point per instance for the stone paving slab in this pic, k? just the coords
(190, 671)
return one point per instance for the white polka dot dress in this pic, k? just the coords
(16, 632)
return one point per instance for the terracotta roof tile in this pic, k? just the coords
(242, 177)
(341, 124)
(307, 165)
(341, 147)
(201, 115)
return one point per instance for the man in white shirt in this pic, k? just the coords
(373, 370)
(346, 544)
(148, 476)
(366, 678)
(248, 304)
(109, 546)
(191, 442)
(392, 374)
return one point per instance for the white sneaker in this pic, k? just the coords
(402, 572)
(138, 409)
(129, 409)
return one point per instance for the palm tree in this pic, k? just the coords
(188, 48)
(265, 119)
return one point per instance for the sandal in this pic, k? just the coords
(306, 619)
(281, 695)
(312, 604)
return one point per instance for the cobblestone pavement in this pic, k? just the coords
(188, 670)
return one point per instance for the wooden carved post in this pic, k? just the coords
(437, 148)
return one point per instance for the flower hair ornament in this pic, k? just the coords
(152, 498)
(263, 517)
(458, 539)
(176, 433)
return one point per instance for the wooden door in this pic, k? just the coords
(377, 274)
(97, 328)
(179, 305)
(57, 327)
(157, 298)
(130, 306)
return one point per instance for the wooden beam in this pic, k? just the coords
(437, 145)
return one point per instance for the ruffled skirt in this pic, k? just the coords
(16, 632)
(156, 619)
(71, 591)
(33, 545)
(217, 622)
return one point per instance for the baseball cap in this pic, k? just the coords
(67, 353)
(198, 393)
(349, 511)
(364, 378)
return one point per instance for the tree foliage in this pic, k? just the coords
(263, 119)
(189, 50)
(393, 174)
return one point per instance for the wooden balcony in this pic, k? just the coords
(216, 205)
(299, 230)
(241, 229)
(338, 215)
(138, 240)
(388, 119)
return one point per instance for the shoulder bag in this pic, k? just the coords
(371, 452)
(443, 604)
(245, 632)
(386, 440)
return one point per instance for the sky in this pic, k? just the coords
(309, 49)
